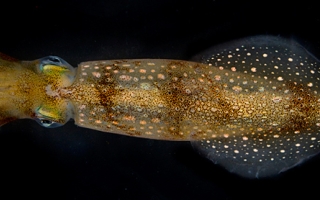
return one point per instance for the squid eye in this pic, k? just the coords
(47, 123)
(49, 117)
(57, 69)
(54, 60)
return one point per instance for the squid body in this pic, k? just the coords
(251, 105)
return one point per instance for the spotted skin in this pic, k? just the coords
(280, 124)
(250, 105)
(144, 98)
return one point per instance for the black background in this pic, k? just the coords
(77, 163)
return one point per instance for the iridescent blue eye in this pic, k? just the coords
(48, 117)
(47, 123)
(54, 60)
(55, 66)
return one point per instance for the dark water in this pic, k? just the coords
(76, 163)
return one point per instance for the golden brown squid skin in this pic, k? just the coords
(21, 89)
(251, 105)
(160, 99)
(181, 100)
(25, 90)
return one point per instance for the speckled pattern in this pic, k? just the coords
(251, 105)
(277, 123)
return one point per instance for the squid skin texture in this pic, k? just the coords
(25, 86)
(250, 105)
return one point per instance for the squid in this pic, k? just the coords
(251, 105)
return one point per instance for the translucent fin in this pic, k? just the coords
(260, 155)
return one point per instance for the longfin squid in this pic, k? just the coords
(251, 105)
